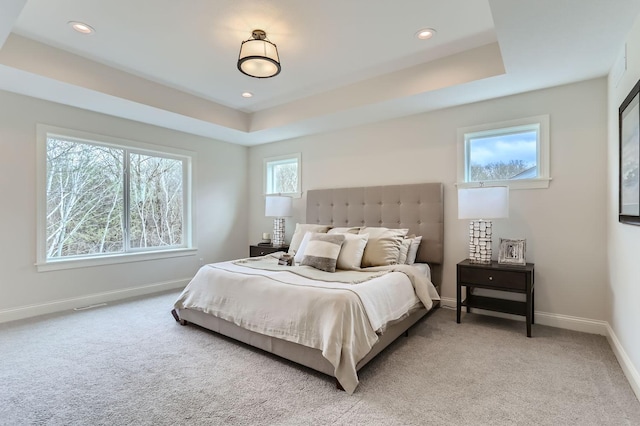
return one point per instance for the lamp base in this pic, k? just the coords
(480, 232)
(278, 232)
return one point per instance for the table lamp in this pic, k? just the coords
(480, 204)
(278, 207)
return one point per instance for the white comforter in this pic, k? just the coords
(340, 319)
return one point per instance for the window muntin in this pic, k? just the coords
(282, 175)
(515, 153)
(105, 199)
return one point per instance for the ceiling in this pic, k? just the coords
(344, 63)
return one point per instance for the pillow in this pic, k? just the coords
(404, 250)
(352, 250)
(346, 230)
(298, 234)
(385, 251)
(413, 250)
(322, 251)
(303, 245)
(375, 232)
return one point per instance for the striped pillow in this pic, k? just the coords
(322, 251)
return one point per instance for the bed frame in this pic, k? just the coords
(419, 207)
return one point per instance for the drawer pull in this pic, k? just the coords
(490, 278)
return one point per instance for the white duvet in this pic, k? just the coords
(340, 319)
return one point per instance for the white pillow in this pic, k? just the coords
(404, 250)
(344, 230)
(352, 250)
(303, 245)
(413, 250)
(377, 232)
(301, 229)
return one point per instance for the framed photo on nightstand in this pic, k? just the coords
(512, 252)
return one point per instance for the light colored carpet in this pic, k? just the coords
(132, 364)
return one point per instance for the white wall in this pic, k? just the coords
(563, 225)
(624, 240)
(220, 192)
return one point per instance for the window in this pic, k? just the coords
(102, 198)
(515, 153)
(282, 175)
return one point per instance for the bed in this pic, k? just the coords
(336, 322)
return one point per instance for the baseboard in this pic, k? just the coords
(628, 368)
(92, 299)
(567, 322)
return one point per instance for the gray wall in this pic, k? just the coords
(220, 193)
(563, 225)
(623, 240)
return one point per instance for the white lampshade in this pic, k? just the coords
(258, 56)
(491, 202)
(277, 206)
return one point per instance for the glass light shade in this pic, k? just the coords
(278, 206)
(490, 202)
(259, 58)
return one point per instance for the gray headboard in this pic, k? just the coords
(419, 207)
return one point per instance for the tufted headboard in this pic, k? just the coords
(419, 207)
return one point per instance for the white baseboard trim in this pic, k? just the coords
(28, 311)
(567, 322)
(628, 368)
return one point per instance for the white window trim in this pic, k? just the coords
(543, 179)
(43, 264)
(267, 160)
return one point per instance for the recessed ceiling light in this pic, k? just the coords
(247, 94)
(426, 33)
(81, 27)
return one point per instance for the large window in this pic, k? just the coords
(515, 153)
(104, 199)
(282, 175)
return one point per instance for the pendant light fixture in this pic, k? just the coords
(258, 56)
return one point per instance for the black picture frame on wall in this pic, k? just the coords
(629, 166)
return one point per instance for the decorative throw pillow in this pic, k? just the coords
(413, 250)
(322, 251)
(352, 250)
(383, 250)
(298, 234)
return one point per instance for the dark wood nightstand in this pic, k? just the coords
(256, 250)
(494, 276)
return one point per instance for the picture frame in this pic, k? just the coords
(629, 161)
(512, 252)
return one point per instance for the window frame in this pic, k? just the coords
(129, 147)
(265, 172)
(539, 123)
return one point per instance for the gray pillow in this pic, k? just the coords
(322, 251)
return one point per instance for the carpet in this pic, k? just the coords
(130, 363)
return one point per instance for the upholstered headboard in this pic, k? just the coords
(419, 207)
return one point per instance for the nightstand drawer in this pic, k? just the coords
(499, 279)
(255, 251)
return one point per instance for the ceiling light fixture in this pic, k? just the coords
(258, 56)
(247, 94)
(81, 27)
(426, 33)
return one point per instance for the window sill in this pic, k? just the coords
(539, 183)
(56, 265)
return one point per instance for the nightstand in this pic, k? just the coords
(256, 250)
(494, 276)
